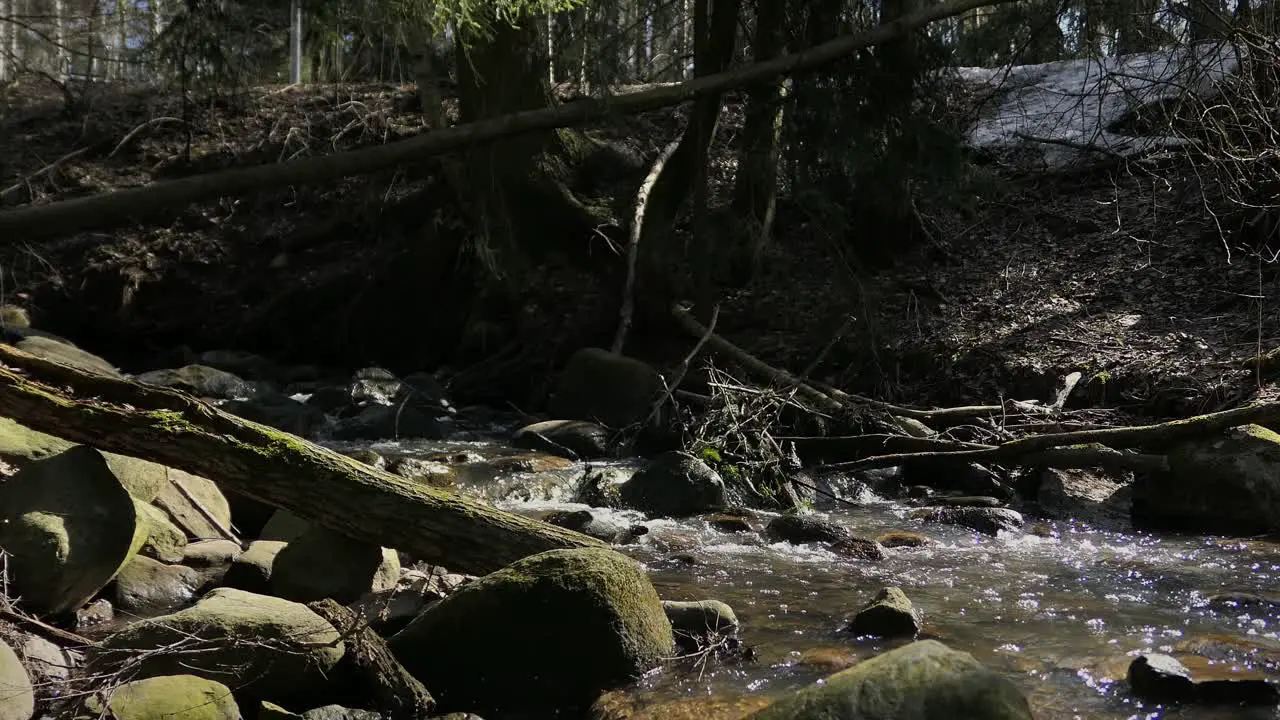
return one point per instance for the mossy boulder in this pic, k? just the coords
(674, 484)
(166, 542)
(172, 697)
(695, 622)
(925, 680)
(262, 645)
(599, 386)
(548, 632)
(190, 501)
(69, 527)
(17, 695)
(321, 563)
(1227, 483)
(20, 445)
(14, 316)
(61, 351)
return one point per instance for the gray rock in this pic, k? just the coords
(925, 680)
(69, 526)
(166, 542)
(599, 386)
(202, 381)
(321, 563)
(62, 351)
(17, 696)
(1085, 495)
(190, 500)
(148, 587)
(858, 548)
(212, 560)
(1227, 484)
(674, 484)
(799, 529)
(337, 712)
(1163, 679)
(988, 521)
(383, 422)
(46, 663)
(889, 614)
(577, 439)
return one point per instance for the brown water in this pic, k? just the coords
(1060, 614)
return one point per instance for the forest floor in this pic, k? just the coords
(1116, 274)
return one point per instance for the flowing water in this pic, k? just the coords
(1061, 614)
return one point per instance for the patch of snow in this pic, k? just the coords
(1061, 112)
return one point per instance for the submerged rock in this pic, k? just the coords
(889, 614)
(322, 563)
(69, 526)
(799, 529)
(599, 386)
(548, 632)
(674, 484)
(17, 696)
(1229, 484)
(1164, 679)
(902, 539)
(858, 549)
(260, 644)
(571, 438)
(988, 521)
(925, 680)
(187, 697)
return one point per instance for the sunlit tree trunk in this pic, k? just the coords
(6, 47)
(61, 54)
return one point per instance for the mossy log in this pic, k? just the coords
(282, 470)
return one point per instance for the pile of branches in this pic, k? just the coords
(737, 429)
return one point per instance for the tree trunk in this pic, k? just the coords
(276, 468)
(7, 29)
(755, 194)
(107, 209)
(61, 54)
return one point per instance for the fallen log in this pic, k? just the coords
(172, 428)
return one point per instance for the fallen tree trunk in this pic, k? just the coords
(100, 211)
(318, 484)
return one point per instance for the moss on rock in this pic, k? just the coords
(925, 680)
(167, 698)
(548, 632)
(259, 643)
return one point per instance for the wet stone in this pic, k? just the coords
(900, 539)
(857, 548)
(800, 529)
(890, 614)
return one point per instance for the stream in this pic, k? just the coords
(1060, 612)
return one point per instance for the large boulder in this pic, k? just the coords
(166, 542)
(1086, 495)
(674, 484)
(191, 501)
(20, 445)
(600, 386)
(69, 526)
(202, 381)
(925, 680)
(548, 632)
(321, 563)
(1227, 483)
(259, 644)
(61, 351)
(184, 697)
(17, 696)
